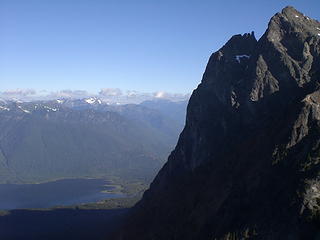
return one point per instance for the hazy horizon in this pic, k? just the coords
(109, 95)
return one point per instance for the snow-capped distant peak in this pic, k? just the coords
(24, 110)
(3, 101)
(90, 100)
(4, 108)
(59, 101)
(50, 109)
(93, 100)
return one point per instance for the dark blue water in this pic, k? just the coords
(61, 192)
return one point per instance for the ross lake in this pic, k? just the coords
(56, 193)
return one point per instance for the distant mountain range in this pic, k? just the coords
(45, 140)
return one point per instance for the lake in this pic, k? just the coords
(56, 193)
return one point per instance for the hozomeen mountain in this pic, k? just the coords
(247, 164)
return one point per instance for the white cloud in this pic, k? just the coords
(74, 94)
(110, 92)
(18, 92)
(133, 93)
(159, 94)
(171, 96)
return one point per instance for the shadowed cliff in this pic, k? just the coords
(247, 163)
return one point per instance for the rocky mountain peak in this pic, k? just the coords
(239, 45)
(289, 20)
(287, 55)
(232, 59)
(290, 23)
(247, 164)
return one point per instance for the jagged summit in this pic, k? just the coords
(239, 44)
(233, 58)
(290, 21)
(293, 15)
(290, 10)
(290, 36)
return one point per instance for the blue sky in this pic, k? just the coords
(143, 45)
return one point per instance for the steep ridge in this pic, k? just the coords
(247, 164)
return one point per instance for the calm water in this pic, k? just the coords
(60, 192)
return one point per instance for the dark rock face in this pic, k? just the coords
(247, 164)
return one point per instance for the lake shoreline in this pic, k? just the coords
(63, 192)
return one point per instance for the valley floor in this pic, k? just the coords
(88, 221)
(59, 224)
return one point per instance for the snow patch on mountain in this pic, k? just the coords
(239, 57)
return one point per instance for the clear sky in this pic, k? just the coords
(143, 45)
